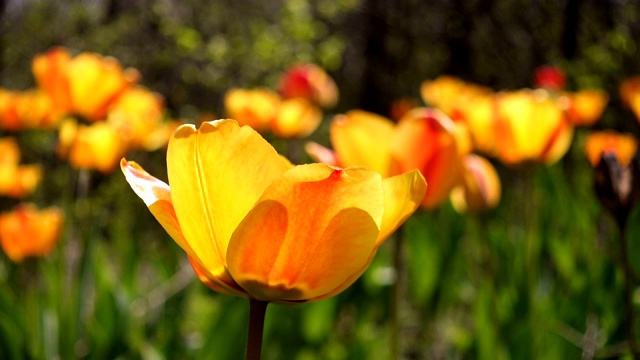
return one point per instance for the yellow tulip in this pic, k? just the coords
(297, 117)
(254, 225)
(27, 231)
(531, 127)
(85, 85)
(256, 108)
(16, 180)
(98, 146)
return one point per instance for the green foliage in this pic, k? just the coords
(537, 277)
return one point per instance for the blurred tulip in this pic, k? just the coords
(531, 127)
(585, 107)
(630, 94)
(297, 117)
(84, 85)
(256, 108)
(30, 109)
(470, 104)
(16, 181)
(480, 189)
(310, 82)
(97, 146)
(250, 221)
(616, 161)
(622, 146)
(136, 115)
(425, 139)
(27, 231)
(549, 77)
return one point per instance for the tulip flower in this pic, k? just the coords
(84, 85)
(16, 180)
(256, 108)
(311, 82)
(265, 111)
(136, 114)
(297, 117)
(549, 77)
(614, 156)
(480, 189)
(531, 127)
(425, 139)
(27, 231)
(469, 104)
(250, 221)
(98, 146)
(585, 107)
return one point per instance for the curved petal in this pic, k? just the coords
(403, 194)
(361, 138)
(157, 196)
(217, 173)
(310, 232)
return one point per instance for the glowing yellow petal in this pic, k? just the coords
(309, 233)
(296, 117)
(361, 138)
(216, 174)
(402, 196)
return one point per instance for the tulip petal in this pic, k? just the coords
(425, 140)
(157, 196)
(217, 173)
(361, 138)
(402, 196)
(310, 232)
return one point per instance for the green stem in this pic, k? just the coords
(628, 293)
(399, 292)
(257, 311)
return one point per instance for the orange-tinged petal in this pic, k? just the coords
(362, 138)
(51, 73)
(586, 106)
(623, 146)
(425, 139)
(558, 144)
(216, 174)
(310, 232)
(402, 196)
(27, 231)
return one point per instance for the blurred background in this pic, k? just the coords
(538, 276)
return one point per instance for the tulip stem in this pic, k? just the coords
(399, 292)
(628, 292)
(257, 311)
